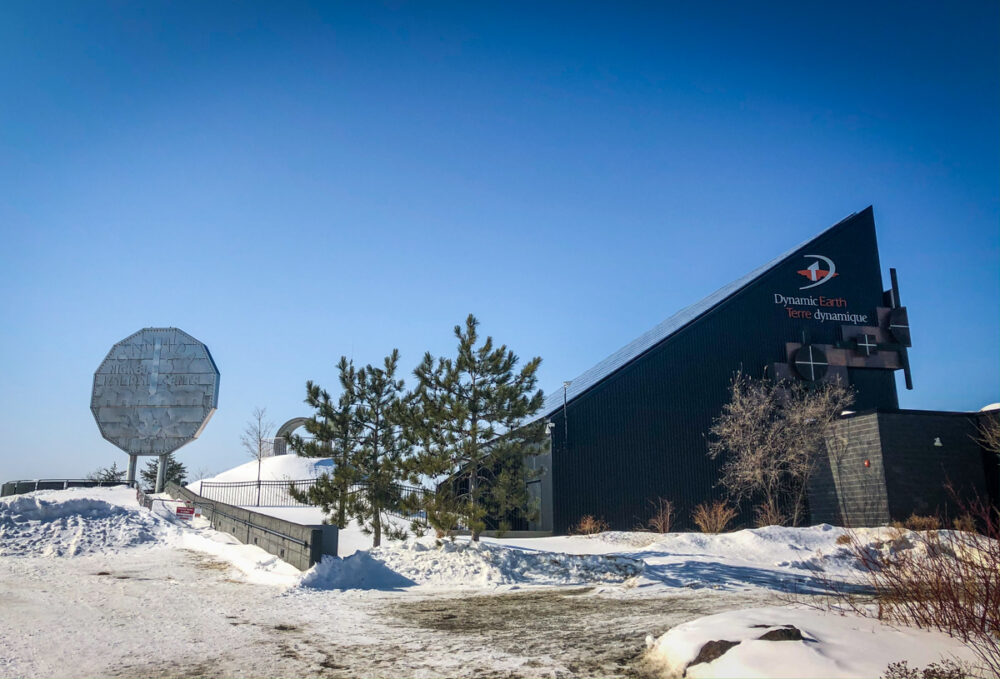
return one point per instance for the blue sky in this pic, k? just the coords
(293, 183)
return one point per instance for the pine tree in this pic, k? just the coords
(110, 474)
(469, 415)
(368, 430)
(175, 472)
(334, 436)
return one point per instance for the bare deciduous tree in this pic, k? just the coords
(256, 439)
(988, 435)
(771, 435)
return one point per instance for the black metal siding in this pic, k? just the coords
(640, 433)
(918, 473)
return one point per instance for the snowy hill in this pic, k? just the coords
(278, 468)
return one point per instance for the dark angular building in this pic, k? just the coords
(633, 428)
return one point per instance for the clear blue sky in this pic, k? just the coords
(291, 182)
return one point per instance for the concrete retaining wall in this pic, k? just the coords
(301, 546)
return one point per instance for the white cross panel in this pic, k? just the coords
(866, 345)
(813, 363)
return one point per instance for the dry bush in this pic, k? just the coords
(943, 580)
(988, 434)
(947, 669)
(713, 517)
(663, 515)
(916, 522)
(768, 514)
(965, 523)
(844, 539)
(588, 525)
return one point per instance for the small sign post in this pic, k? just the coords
(185, 512)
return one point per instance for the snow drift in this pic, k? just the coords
(31, 525)
(427, 561)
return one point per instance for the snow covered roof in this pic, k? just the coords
(653, 337)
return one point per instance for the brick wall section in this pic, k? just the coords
(301, 546)
(917, 471)
(908, 472)
(843, 491)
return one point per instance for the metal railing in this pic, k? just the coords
(275, 493)
(245, 493)
(30, 485)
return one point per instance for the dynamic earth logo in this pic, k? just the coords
(817, 275)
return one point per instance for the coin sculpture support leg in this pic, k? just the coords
(161, 473)
(132, 459)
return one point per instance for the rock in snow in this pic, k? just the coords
(798, 642)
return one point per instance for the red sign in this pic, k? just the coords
(186, 513)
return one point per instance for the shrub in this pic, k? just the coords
(713, 517)
(946, 669)
(943, 580)
(844, 539)
(965, 523)
(663, 515)
(768, 514)
(915, 522)
(588, 525)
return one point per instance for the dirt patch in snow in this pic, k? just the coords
(586, 633)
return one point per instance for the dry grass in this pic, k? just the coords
(663, 515)
(713, 517)
(589, 525)
(965, 523)
(768, 514)
(943, 580)
(917, 522)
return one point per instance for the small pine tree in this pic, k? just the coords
(110, 474)
(367, 431)
(468, 419)
(334, 435)
(175, 472)
(506, 495)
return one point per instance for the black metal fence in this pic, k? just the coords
(276, 493)
(255, 493)
(28, 486)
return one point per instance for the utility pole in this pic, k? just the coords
(565, 418)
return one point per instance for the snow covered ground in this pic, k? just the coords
(91, 584)
(830, 645)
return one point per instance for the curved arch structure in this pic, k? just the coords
(290, 426)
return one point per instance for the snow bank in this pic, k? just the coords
(832, 645)
(254, 564)
(427, 561)
(73, 524)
